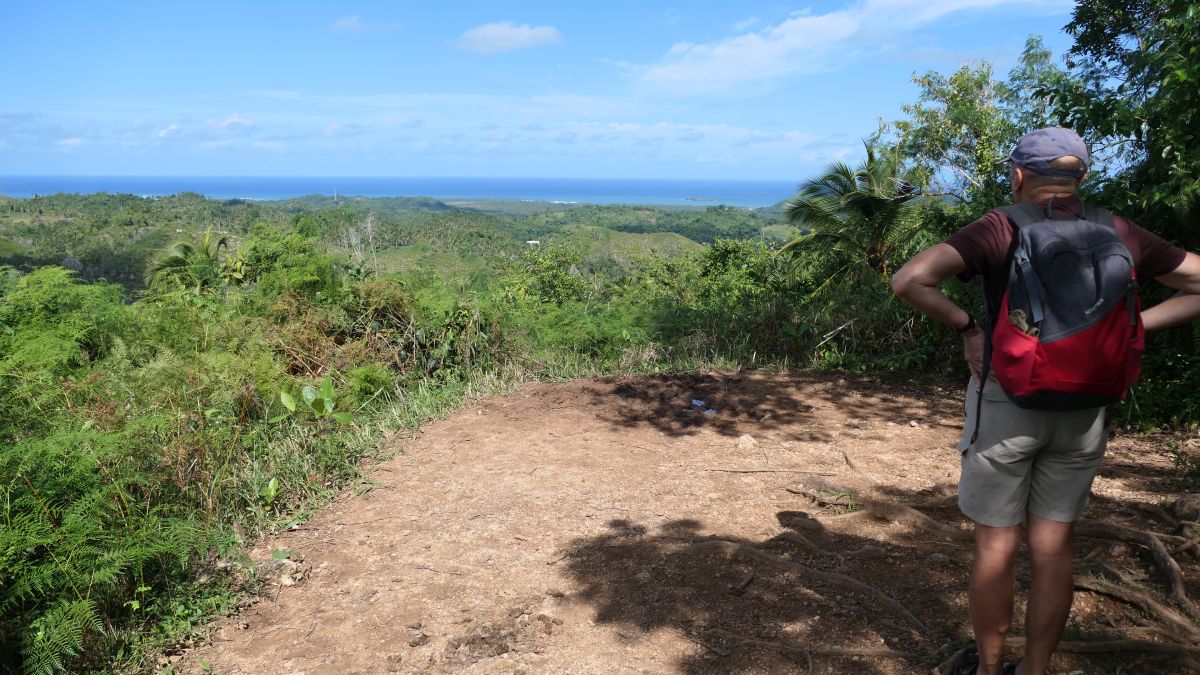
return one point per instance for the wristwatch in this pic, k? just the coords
(969, 327)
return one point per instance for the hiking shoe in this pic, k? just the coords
(966, 662)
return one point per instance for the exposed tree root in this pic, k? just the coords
(1185, 548)
(1099, 647)
(1102, 569)
(730, 548)
(1161, 556)
(1150, 633)
(734, 641)
(1188, 530)
(1112, 646)
(1158, 512)
(1183, 629)
(803, 542)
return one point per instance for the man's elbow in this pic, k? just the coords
(927, 270)
(902, 282)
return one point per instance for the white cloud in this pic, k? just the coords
(270, 146)
(713, 134)
(170, 130)
(236, 121)
(235, 124)
(344, 130)
(349, 24)
(744, 24)
(73, 142)
(803, 43)
(494, 38)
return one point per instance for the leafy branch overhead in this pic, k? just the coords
(956, 136)
(1135, 95)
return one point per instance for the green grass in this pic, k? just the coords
(11, 248)
(780, 232)
(508, 207)
(627, 246)
(423, 260)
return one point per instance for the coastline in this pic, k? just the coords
(568, 192)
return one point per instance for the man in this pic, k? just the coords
(1030, 466)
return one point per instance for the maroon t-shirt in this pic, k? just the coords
(986, 247)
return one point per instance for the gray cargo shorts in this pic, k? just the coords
(1027, 461)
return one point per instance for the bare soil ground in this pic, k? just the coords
(807, 524)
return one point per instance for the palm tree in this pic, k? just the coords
(864, 215)
(189, 267)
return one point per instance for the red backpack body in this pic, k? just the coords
(1068, 332)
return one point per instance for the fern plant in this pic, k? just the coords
(79, 530)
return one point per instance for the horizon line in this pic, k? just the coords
(391, 177)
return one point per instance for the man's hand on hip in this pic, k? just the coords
(973, 353)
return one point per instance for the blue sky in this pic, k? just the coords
(748, 90)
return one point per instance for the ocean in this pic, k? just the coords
(665, 192)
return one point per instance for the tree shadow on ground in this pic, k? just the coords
(785, 603)
(731, 400)
(1159, 479)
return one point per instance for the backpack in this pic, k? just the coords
(1068, 332)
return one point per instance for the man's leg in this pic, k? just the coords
(1060, 483)
(1050, 591)
(991, 594)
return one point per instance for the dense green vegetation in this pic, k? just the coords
(178, 374)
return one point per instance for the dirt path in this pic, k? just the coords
(613, 526)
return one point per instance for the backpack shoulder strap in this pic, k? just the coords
(1023, 215)
(1099, 215)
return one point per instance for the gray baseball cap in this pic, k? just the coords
(1037, 149)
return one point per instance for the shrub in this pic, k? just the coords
(284, 263)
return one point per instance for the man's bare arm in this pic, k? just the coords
(1182, 307)
(1186, 277)
(917, 283)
